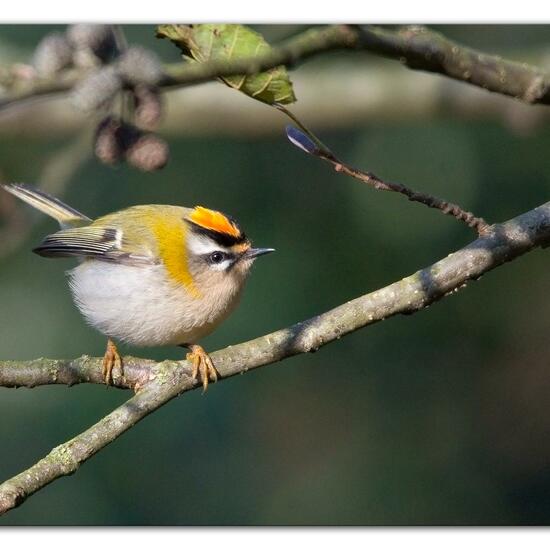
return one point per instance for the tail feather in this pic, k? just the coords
(64, 214)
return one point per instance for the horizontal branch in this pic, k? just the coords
(37, 88)
(85, 369)
(168, 379)
(421, 48)
(417, 47)
(384, 93)
(299, 48)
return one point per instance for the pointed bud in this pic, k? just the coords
(301, 140)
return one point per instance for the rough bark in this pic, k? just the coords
(160, 382)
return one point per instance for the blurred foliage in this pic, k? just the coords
(438, 418)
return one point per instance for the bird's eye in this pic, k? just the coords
(217, 257)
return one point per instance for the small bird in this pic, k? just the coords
(150, 275)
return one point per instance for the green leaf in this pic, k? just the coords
(227, 42)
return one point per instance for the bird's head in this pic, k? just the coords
(218, 252)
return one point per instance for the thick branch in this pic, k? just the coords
(85, 369)
(421, 48)
(166, 380)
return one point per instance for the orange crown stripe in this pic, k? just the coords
(216, 221)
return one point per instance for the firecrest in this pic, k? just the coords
(150, 275)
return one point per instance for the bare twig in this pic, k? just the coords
(161, 382)
(38, 88)
(452, 209)
(310, 143)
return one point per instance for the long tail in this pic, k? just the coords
(65, 215)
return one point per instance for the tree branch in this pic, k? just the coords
(381, 94)
(85, 369)
(421, 48)
(306, 140)
(299, 48)
(449, 208)
(160, 382)
(418, 47)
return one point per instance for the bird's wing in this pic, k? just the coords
(101, 243)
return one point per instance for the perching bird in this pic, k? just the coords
(150, 275)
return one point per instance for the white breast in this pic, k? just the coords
(141, 306)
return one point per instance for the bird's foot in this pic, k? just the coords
(111, 360)
(203, 368)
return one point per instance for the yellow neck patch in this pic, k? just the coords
(170, 236)
(216, 221)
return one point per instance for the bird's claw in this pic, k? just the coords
(111, 360)
(203, 368)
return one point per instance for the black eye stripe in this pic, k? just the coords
(223, 239)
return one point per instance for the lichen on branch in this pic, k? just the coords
(158, 383)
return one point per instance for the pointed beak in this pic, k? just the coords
(255, 252)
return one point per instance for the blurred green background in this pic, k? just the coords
(442, 417)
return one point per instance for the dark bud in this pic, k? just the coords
(148, 153)
(128, 135)
(97, 90)
(138, 65)
(116, 140)
(301, 140)
(148, 107)
(107, 143)
(53, 53)
(99, 39)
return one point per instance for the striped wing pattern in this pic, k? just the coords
(79, 236)
(93, 242)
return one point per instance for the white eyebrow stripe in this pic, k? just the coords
(203, 245)
(222, 266)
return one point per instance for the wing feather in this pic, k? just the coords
(102, 243)
(63, 213)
